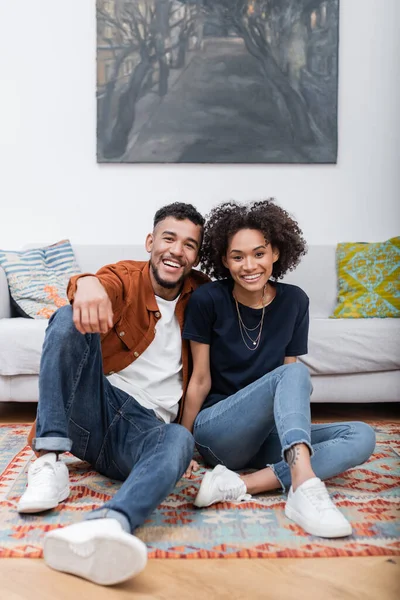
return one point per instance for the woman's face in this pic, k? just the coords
(250, 259)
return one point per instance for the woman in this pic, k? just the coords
(248, 401)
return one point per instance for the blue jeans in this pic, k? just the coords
(254, 427)
(80, 411)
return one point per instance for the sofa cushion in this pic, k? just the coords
(368, 280)
(19, 388)
(38, 278)
(335, 346)
(338, 346)
(21, 343)
(379, 386)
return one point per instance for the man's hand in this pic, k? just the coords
(92, 309)
(194, 466)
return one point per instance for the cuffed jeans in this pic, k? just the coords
(80, 411)
(254, 427)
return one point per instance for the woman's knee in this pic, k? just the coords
(299, 373)
(364, 440)
(298, 370)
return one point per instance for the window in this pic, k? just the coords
(107, 6)
(108, 32)
(108, 70)
(323, 14)
(313, 19)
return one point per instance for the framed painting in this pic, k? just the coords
(217, 81)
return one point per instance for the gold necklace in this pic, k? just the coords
(245, 330)
(262, 299)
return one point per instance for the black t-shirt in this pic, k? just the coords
(211, 318)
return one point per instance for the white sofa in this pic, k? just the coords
(350, 360)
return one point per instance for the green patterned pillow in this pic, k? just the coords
(368, 279)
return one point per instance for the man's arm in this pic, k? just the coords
(96, 299)
(199, 384)
(91, 308)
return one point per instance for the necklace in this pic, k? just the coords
(244, 330)
(262, 300)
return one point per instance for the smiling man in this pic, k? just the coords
(113, 377)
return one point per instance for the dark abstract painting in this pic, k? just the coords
(217, 81)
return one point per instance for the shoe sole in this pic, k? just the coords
(34, 507)
(105, 559)
(202, 498)
(317, 530)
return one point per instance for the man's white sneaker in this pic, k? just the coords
(221, 485)
(48, 484)
(97, 549)
(311, 507)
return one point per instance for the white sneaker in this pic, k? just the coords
(98, 550)
(221, 485)
(48, 484)
(311, 507)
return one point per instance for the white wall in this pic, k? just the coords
(52, 188)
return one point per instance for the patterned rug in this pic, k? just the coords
(369, 496)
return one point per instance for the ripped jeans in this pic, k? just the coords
(253, 428)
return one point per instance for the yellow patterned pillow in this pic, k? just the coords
(368, 279)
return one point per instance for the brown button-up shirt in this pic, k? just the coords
(136, 313)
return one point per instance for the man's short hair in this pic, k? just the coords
(179, 211)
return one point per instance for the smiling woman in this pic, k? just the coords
(248, 400)
(250, 260)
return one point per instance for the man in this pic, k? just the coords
(120, 422)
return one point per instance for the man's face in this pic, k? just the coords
(174, 249)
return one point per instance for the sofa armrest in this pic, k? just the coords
(5, 304)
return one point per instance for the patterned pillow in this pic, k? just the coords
(38, 278)
(369, 279)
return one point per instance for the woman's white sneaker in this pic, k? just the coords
(221, 485)
(97, 549)
(311, 507)
(48, 485)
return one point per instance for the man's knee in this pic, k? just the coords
(62, 339)
(61, 325)
(61, 319)
(181, 440)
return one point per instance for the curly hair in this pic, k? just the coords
(278, 228)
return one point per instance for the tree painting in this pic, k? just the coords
(217, 81)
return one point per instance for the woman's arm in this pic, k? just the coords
(199, 384)
(289, 360)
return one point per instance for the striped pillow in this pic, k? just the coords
(38, 278)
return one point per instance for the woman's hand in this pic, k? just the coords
(194, 466)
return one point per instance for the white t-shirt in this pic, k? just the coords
(154, 379)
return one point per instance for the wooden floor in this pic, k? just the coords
(376, 578)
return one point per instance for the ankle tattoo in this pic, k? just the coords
(292, 455)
